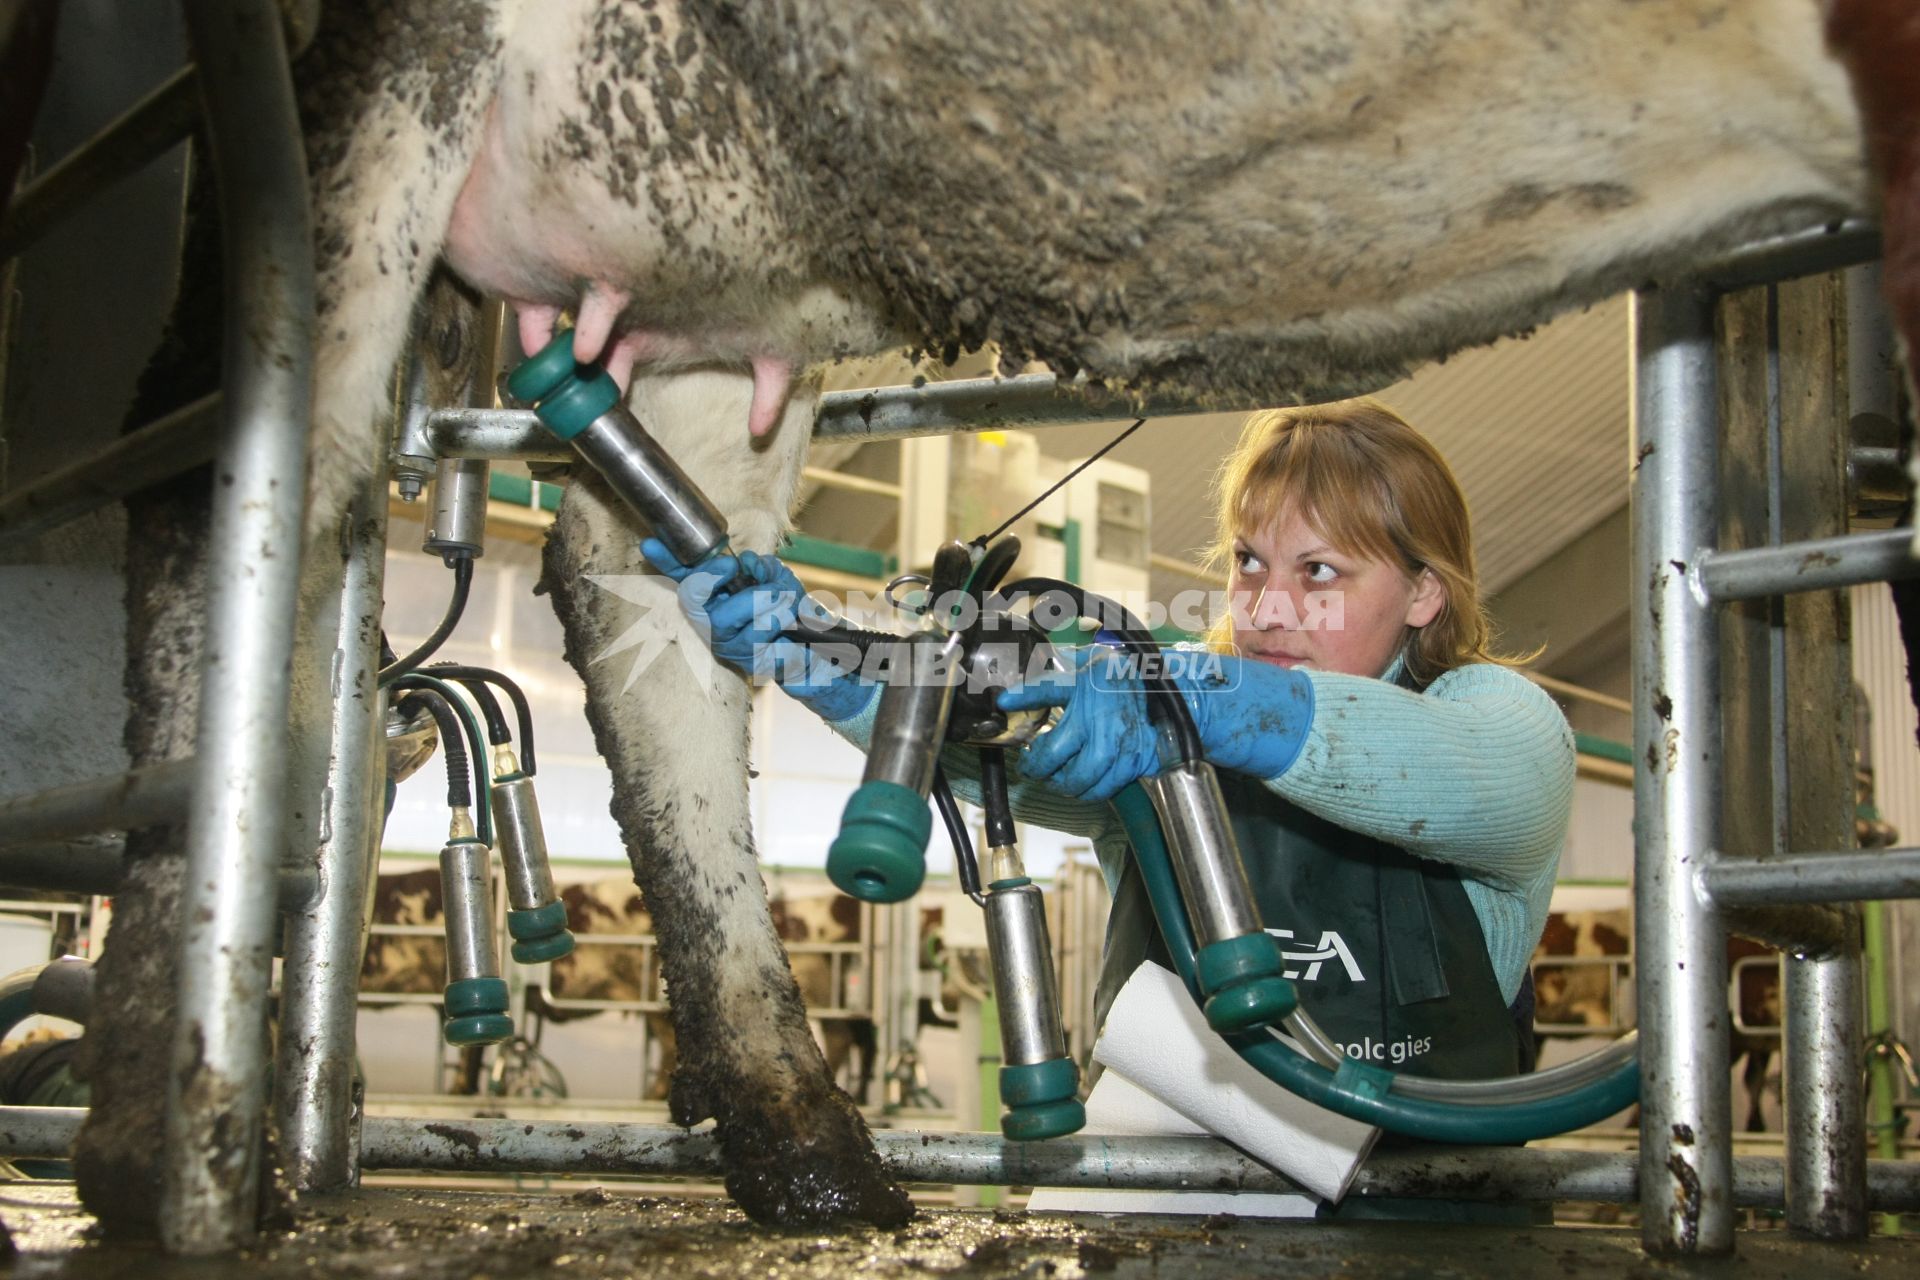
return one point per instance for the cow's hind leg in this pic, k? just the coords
(675, 737)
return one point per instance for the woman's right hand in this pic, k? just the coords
(741, 604)
(744, 606)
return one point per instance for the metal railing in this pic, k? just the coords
(1684, 882)
(1619, 971)
(235, 788)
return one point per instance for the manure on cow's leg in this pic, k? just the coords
(794, 1148)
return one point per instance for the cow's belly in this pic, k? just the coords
(1230, 194)
(1238, 198)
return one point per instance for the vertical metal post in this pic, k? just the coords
(1826, 1149)
(338, 712)
(1826, 1145)
(216, 1085)
(1686, 1165)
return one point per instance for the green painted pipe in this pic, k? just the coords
(1356, 1090)
(1880, 1120)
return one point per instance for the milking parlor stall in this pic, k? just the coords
(396, 884)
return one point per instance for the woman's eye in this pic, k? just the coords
(1321, 571)
(1245, 561)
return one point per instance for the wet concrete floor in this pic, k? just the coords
(431, 1234)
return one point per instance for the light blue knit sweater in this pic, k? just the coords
(1477, 772)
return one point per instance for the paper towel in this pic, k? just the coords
(1157, 1038)
(1117, 1106)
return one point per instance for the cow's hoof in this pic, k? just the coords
(809, 1166)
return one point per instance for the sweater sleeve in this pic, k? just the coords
(1477, 771)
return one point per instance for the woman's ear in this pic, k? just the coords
(1429, 598)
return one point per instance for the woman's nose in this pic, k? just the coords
(1274, 611)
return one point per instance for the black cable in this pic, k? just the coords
(474, 681)
(462, 585)
(1104, 450)
(993, 566)
(964, 861)
(477, 748)
(1164, 702)
(993, 797)
(521, 711)
(459, 778)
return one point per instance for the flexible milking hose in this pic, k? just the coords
(462, 586)
(1367, 1093)
(1502, 1110)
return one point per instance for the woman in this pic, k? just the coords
(1399, 792)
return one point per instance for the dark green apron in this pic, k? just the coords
(1384, 949)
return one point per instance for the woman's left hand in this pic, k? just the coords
(1103, 739)
(1251, 717)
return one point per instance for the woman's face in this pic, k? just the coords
(1298, 602)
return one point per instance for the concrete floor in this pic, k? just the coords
(431, 1234)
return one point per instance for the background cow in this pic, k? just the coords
(616, 959)
(1576, 987)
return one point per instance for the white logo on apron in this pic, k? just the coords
(1331, 946)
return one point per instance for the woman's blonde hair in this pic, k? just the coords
(1372, 486)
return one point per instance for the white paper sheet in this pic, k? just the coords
(1159, 1040)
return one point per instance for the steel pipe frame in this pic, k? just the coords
(1848, 243)
(1679, 943)
(340, 747)
(162, 449)
(216, 1081)
(1826, 1107)
(142, 133)
(98, 867)
(1804, 930)
(137, 798)
(1825, 1165)
(987, 1159)
(1086, 1160)
(68, 866)
(1810, 877)
(1819, 564)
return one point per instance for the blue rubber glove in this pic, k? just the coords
(1252, 717)
(743, 623)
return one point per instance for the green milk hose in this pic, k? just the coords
(1357, 1090)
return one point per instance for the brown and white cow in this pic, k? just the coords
(1260, 202)
(616, 959)
(1574, 979)
(1576, 990)
(414, 964)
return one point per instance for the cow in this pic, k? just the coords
(615, 960)
(1256, 203)
(1574, 980)
(596, 971)
(408, 964)
(1572, 996)
(807, 923)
